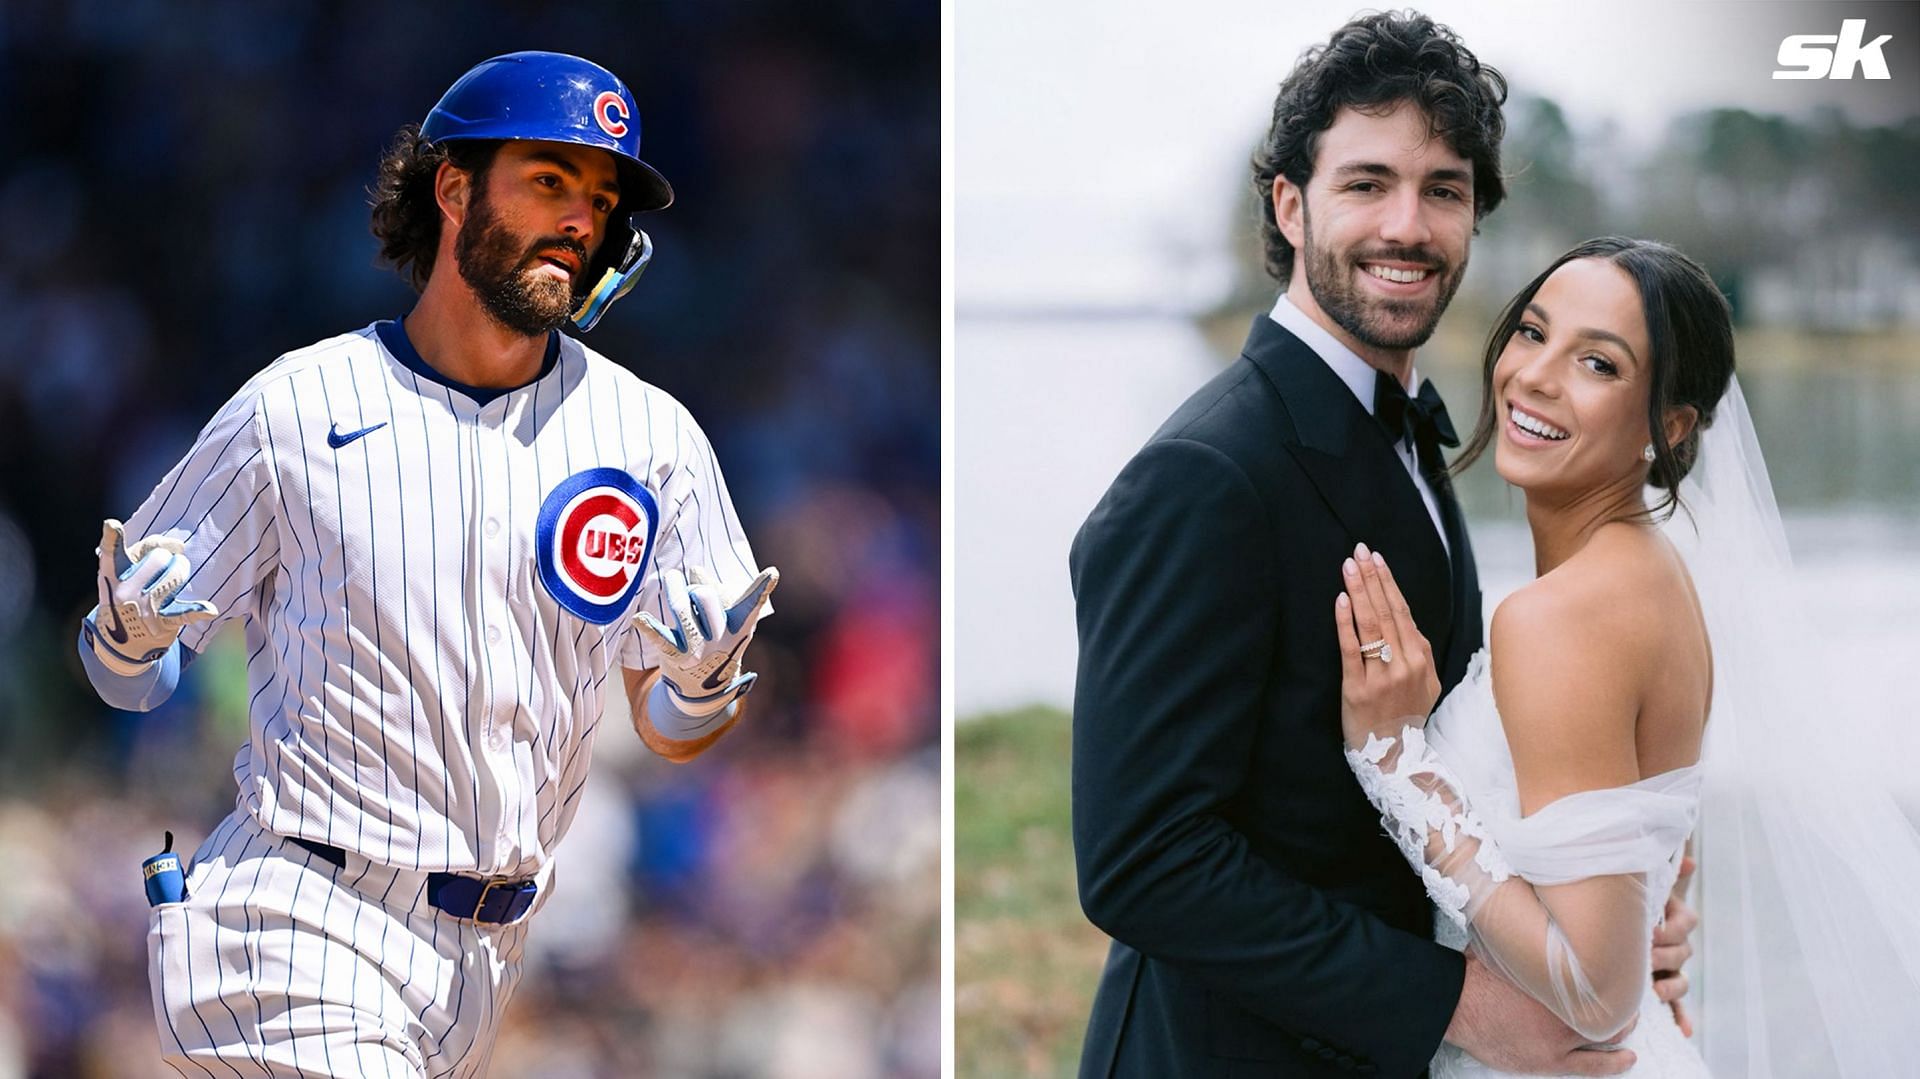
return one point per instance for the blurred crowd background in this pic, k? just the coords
(183, 197)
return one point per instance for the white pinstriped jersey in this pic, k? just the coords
(434, 589)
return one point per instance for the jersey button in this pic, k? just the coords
(498, 739)
(493, 634)
(493, 526)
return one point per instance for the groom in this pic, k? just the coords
(1263, 923)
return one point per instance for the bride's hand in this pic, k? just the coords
(1387, 688)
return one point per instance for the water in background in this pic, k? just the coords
(1049, 409)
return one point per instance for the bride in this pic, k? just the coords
(1635, 689)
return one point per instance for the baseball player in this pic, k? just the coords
(438, 536)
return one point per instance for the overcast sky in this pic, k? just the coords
(1099, 143)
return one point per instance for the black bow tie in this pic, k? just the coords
(1421, 420)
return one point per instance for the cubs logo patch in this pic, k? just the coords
(610, 112)
(594, 536)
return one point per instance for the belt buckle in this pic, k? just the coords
(509, 915)
(485, 890)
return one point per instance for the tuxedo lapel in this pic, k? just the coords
(1351, 462)
(1465, 634)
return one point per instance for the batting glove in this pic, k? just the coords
(700, 674)
(139, 618)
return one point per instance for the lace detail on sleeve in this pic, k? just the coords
(1424, 809)
(1574, 932)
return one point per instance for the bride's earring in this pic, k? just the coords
(1647, 454)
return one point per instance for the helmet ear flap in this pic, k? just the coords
(616, 278)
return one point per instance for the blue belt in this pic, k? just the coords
(487, 900)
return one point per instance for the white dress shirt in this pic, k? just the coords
(1360, 377)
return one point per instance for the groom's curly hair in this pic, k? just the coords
(1373, 64)
(1689, 332)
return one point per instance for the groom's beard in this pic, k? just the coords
(1378, 321)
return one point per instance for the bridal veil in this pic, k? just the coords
(1809, 856)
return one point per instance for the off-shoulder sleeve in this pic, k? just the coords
(1558, 901)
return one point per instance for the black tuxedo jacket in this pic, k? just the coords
(1262, 922)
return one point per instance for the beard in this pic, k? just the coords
(504, 272)
(1377, 321)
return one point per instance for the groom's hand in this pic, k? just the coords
(1671, 949)
(1506, 1029)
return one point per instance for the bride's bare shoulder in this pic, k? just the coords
(1568, 667)
(1603, 597)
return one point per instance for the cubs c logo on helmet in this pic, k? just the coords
(594, 536)
(610, 112)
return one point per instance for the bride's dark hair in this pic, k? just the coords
(1690, 327)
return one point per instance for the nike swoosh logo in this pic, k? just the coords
(713, 680)
(337, 440)
(115, 630)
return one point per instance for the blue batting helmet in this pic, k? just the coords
(553, 97)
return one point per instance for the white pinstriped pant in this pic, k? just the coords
(280, 964)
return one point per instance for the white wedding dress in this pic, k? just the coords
(1808, 950)
(1503, 879)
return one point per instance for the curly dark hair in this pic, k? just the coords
(1689, 330)
(1373, 63)
(406, 218)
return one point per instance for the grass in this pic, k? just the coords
(1025, 958)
